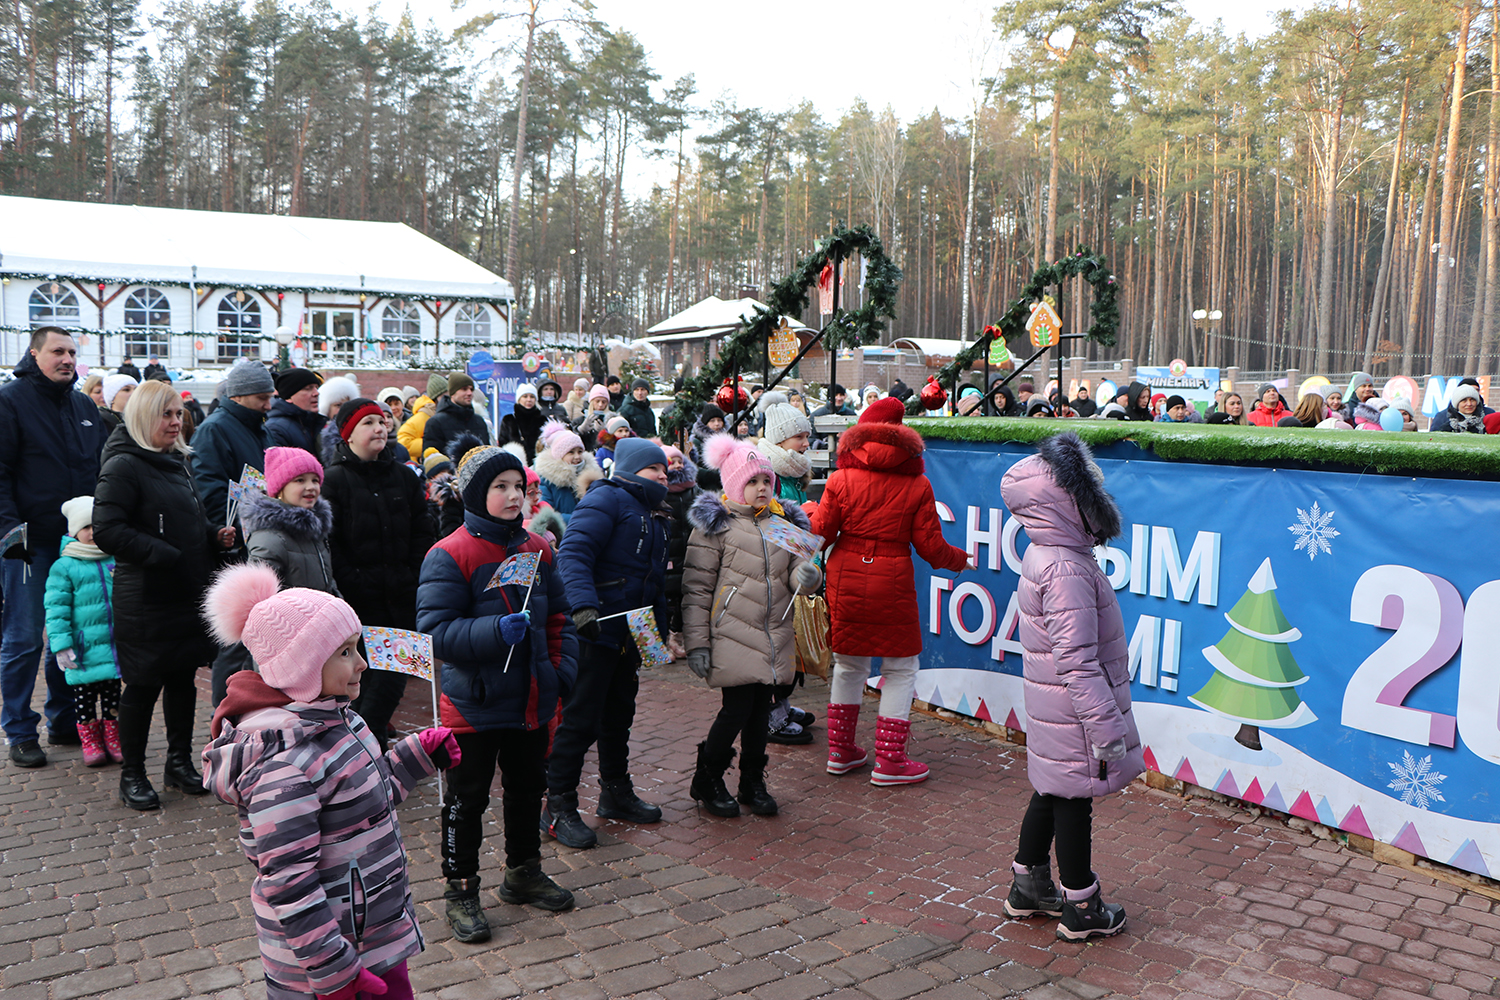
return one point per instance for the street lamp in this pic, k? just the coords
(284, 337)
(1205, 320)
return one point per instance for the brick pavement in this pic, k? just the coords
(854, 893)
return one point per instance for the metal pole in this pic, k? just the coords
(1061, 396)
(833, 318)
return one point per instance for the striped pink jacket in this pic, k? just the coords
(317, 807)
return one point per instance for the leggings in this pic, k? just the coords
(851, 672)
(108, 692)
(744, 713)
(1070, 823)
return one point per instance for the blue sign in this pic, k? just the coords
(1324, 617)
(498, 381)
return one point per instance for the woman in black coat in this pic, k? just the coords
(147, 515)
(381, 533)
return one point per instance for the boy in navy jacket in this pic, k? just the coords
(507, 662)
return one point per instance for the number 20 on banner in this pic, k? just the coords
(1431, 624)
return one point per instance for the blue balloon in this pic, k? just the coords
(1390, 419)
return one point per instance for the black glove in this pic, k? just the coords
(586, 621)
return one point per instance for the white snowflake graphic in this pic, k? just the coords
(1313, 531)
(1416, 781)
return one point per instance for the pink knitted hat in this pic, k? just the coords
(737, 461)
(285, 464)
(289, 633)
(598, 392)
(559, 439)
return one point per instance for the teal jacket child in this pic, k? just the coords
(79, 600)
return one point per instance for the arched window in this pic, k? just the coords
(53, 305)
(400, 326)
(148, 318)
(239, 327)
(471, 325)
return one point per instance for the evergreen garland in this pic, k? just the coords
(744, 350)
(1106, 314)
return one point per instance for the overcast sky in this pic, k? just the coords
(774, 53)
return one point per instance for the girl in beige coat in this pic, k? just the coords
(736, 584)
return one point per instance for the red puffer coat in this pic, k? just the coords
(876, 507)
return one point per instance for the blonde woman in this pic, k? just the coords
(147, 515)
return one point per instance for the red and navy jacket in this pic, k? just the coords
(456, 606)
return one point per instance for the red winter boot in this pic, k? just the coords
(91, 735)
(891, 764)
(843, 755)
(111, 730)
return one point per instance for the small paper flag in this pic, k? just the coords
(399, 650)
(784, 534)
(518, 570)
(654, 652)
(252, 476)
(236, 492)
(15, 536)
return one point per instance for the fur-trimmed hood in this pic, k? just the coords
(711, 515)
(893, 448)
(1058, 494)
(560, 473)
(685, 478)
(260, 512)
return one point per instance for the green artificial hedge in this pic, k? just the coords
(1454, 456)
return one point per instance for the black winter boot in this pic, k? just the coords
(617, 800)
(1085, 914)
(464, 913)
(560, 820)
(1033, 893)
(135, 788)
(527, 883)
(708, 782)
(753, 794)
(178, 708)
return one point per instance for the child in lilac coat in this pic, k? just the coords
(1081, 739)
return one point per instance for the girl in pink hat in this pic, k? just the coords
(287, 527)
(316, 798)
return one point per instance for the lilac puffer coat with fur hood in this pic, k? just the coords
(1077, 682)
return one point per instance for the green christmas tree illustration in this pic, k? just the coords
(1255, 676)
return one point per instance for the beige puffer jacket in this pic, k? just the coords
(735, 586)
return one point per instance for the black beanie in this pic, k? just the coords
(294, 380)
(1175, 401)
(352, 412)
(710, 412)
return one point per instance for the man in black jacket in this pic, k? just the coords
(154, 368)
(637, 409)
(232, 437)
(455, 416)
(295, 421)
(50, 439)
(127, 368)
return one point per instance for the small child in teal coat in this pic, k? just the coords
(80, 628)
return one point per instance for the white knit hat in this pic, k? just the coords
(80, 514)
(783, 420)
(113, 384)
(336, 390)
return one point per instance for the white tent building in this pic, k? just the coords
(206, 288)
(692, 336)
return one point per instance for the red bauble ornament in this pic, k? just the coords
(731, 398)
(933, 395)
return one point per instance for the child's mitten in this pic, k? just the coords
(67, 660)
(513, 627)
(364, 981)
(441, 747)
(699, 662)
(586, 621)
(806, 577)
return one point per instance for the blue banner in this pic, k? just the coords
(498, 381)
(1323, 617)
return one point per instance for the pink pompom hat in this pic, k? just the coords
(738, 462)
(289, 633)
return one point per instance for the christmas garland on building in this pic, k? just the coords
(1104, 311)
(744, 351)
(209, 283)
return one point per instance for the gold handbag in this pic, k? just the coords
(814, 652)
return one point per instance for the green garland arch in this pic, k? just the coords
(744, 351)
(1105, 312)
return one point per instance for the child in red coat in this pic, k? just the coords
(876, 507)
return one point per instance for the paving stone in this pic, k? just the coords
(743, 977)
(636, 979)
(800, 987)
